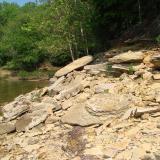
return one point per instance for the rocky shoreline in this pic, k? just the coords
(89, 114)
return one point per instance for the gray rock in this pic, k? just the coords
(31, 120)
(78, 115)
(74, 65)
(6, 128)
(15, 109)
(127, 57)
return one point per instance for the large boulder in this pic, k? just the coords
(74, 65)
(78, 115)
(107, 104)
(128, 57)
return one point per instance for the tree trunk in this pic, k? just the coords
(139, 11)
(71, 51)
(84, 39)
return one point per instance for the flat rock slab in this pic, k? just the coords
(31, 120)
(78, 115)
(107, 104)
(70, 91)
(15, 109)
(7, 128)
(128, 57)
(97, 67)
(74, 65)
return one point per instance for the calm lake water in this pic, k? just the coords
(9, 89)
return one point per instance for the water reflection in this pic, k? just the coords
(9, 89)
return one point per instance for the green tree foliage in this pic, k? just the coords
(55, 30)
(63, 30)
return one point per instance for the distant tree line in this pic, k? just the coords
(63, 30)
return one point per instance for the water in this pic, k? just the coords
(9, 89)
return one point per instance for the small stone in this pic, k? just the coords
(147, 76)
(158, 126)
(77, 158)
(52, 119)
(155, 60)
(145, 116)
(33, 141)
(7, 128)
(157, 156)
(66, 104)
(156, 76)
(148, 157)
(53, 80)
(104, 87)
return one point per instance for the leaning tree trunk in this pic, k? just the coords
(71, 51)
(84, 39)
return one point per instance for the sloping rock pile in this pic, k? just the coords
(87, 115)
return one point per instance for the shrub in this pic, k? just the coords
(158, 38)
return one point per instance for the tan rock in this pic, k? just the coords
(155, 60)
(7, 128)
(107, 104)
(49, 106)
(70, 91)
(77, 158)
(156, 76)
(74, 65)
(67, 104)
(104, 87)
(147, 76)
(128, 57)
(138, 153)
(15, 109)
(78, 115)
(147, 61)
(96, 67)
(138, 112)
(31, 120)
(82, 97)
